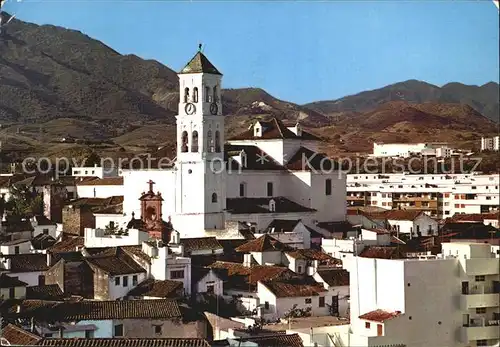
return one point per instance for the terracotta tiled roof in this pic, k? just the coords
(265, 243)
(17, 336)
(255, 273)
(45, 292)
(306, 160)
(200, 64)
(282, 225)
(106, 181)
(42, 241)
(402, 214)
(379, 315)
(336, 227)
(96, 202)
(158, 289)
(381, 252)
(256, 159)
(10, 282)
(200, 243)
(272, 130)
(313, 254)
(136, 251)
(94, 310)
(334, 277)
(27, 262)
(294, 288)
(473, 217)
(261, 205)
(118, 264)
(115, 209)
(69, 244)
(277, 340)
(125, 342)
(12, 225)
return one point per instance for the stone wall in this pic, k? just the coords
(169, 328)
(76, 219)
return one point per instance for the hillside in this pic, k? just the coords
(405, 122)
(484, 99)
(58, 83)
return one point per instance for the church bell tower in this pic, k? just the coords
(200, 178)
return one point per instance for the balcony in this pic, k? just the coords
(468, 301)
(488, 331)
(482, 266)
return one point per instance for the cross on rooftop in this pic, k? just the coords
(151, 183)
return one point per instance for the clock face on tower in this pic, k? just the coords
(213, 108)
(190, 108)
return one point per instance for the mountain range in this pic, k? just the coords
(59, 83)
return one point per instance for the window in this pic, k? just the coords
(217, 141)
(328, 187)
(195, 94)
(215, 94)
(299, 269)
(242, 189)
(210, 143)
(134, 280)
(480, 278)
(179, 274)
(481, 310)
(12, 293)
(207, 94)
(89, 334)
(194, 142)
(488, 198)
(125, 281)
(308, 301)
(184, 140)
(266, 305)
(117, 281)
(367, 325)
(457, 205)
(118, 330)
(41, 280)
(111, 225)
(158, 329)
(269, 188)
(47, 335)
(186, 95)
(45, 231)
(16, 250)
(214, 198)
(482, 343)
(321, 301)
(379, 330)
(210, 288)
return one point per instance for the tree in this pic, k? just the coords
(24, 202)
(112, 229)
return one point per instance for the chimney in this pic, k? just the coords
(247, 260)
(49, 258)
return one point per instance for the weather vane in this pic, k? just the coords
(200, 45)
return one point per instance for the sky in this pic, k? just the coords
(297, 51)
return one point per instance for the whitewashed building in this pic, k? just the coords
(453, 298)
(490, 143)
(271, 171)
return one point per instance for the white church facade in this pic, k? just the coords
(271, 171)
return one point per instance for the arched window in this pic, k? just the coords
(184, 139)
(217, 141)
(215, 94)
(194, 142)
(210, 142)
(214, 197)
(207, 94)
(186, 94)
(272, 205)
(243, 189)
(195, 94)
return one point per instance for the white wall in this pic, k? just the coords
(103, 220)
(96, 238)
(279, 306)
(119, 291)
(24, 247)
(30, 278)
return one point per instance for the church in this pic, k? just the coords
(271, 172)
